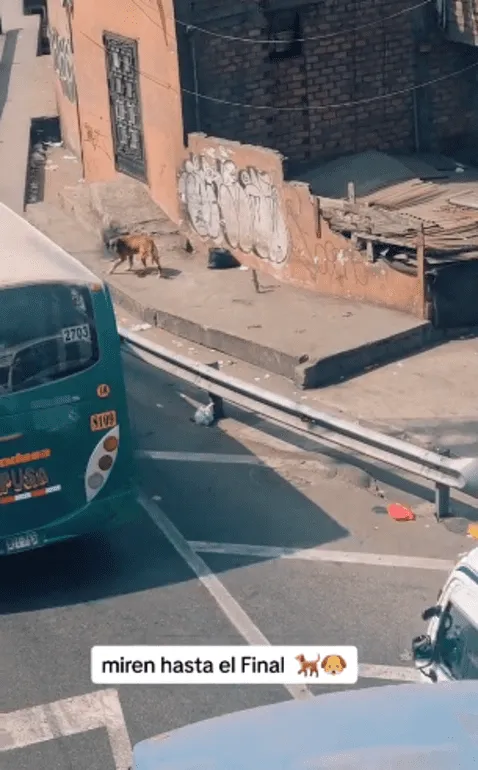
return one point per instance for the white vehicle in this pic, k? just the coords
(449, 649)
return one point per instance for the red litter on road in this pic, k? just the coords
(399, 512)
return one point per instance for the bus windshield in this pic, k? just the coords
(47, 332)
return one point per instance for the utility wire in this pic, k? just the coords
(305, 108)
(329, 36)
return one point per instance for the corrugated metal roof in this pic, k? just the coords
(402, 194)
(424, 727)
(447, 225)
(27, 255)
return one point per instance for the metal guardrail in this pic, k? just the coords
(445, 472)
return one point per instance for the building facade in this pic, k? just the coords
(319, 87)
(118, 90)
(215, 105)
(313, 80)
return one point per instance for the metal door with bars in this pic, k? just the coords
(125, 104)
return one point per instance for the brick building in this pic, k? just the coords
(194, 98)
(333, 53)
(301, 76)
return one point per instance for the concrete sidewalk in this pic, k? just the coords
(26, 92)
(309, 339)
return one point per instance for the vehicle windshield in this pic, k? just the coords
(457, 644)
(47, 332)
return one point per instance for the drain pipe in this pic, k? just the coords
(416, 127)
(68, 6)
(194, 61)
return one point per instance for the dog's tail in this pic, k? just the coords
(318, 657)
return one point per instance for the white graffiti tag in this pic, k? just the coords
(63, 63)
(238, 206)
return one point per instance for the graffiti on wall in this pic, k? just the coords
(237, 206)
(63, 63)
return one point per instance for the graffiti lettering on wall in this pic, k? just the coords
(94, 138)
(343, 265)
(238, 206)
(63, 63)
(319, 258)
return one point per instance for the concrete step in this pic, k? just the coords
(124, 204)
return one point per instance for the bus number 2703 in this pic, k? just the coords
(76, 333)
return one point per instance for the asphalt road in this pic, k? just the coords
(136, 587)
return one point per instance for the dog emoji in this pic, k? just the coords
(310, 666)
(333, 664)
(128, 246)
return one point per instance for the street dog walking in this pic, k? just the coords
(132, 245)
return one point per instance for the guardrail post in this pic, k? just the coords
(442, 494)
(442, 501)
(217, 401)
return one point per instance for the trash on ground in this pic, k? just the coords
(243, 267)
(141, 327)
(473, 531)
(221, 259)
(399, 512)
(205, 415)
(54, 144)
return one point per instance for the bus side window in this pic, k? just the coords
(451, 639)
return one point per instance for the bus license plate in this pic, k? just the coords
(22, 542)
(103, 420)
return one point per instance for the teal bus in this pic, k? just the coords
(66, 459)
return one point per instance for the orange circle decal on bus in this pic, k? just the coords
(103, 391)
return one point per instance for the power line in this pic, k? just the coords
(356, 103)
(329, 36)
(305, 108)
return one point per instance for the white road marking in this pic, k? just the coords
(320, 555)
(199, 457)
(264, 461)
(99, 709)
(390, 673)
(229, 606)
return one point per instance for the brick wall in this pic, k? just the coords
(319, 83)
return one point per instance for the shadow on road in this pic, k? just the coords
(208, 502)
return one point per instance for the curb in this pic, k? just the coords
(345, 365)
(257, 355)
(305, 374)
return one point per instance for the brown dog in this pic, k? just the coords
(128, 246)
(333, 664)
(310, 666)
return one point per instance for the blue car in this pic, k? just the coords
(381, 728)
